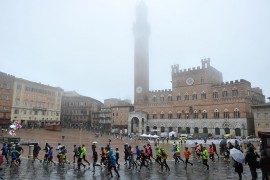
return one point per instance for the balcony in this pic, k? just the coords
(40, 108)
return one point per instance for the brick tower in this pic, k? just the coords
(141, 32)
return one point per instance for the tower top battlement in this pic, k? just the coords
(205, 64)
(141, 11)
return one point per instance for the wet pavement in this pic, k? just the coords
(37, 170)
(28, 170)
(74, 136)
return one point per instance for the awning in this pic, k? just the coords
(5, 122)
(265, 137)
(264, 134)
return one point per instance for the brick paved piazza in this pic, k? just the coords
(218, 171)
(28, 170)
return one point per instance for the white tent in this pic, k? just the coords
(144, 135)
(173, 133)
(155, 136)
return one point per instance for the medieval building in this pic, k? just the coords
(6, 95)
(199, 101)
(261, 117)
(77, 110)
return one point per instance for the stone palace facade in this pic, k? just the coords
(199, 101)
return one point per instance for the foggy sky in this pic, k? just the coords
(87, 45)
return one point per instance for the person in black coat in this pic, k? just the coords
(238, 167)
(251, 160)
(264, 164)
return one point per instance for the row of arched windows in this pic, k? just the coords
(237, 131)
(194, 96)
(196, 115)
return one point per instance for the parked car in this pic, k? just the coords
(228, 136)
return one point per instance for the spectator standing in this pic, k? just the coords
(5, 151)
(238, 167)
(264, 164)
(251, 161)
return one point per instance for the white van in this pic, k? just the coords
(183, 136)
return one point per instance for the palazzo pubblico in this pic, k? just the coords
(199, 101)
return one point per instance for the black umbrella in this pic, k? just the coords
(223, 143)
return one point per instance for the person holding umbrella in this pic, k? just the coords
(222, 146)
(238, 158)
(238, 167)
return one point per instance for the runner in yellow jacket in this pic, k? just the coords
(205, 157)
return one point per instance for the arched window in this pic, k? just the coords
(195, 115)
(215, 95)
(237, 132)
(216, 114)
(224, 93)
(154, 98)
(179, 115)
(186, 97)
(226, 114)
(169, 97)
(188, 130)
(178, 97)
(162, 115)
(227, 130)
(194, 96)
(162, 129)
(145, 98)
(236, 113)
(234, 92)
(204, 114)
(154, 115)
(202, 80)
(170, 115)
(203, 95)
(179, 129)
(147, 129)
(187, 115)
(161, 98)
(205, 130)
(217, 131)
(170, 129)
(196, 130)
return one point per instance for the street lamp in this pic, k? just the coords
(80, 126)
(104, 120)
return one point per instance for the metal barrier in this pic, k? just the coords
(11, 139)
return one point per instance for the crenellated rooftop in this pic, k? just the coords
(161, 91)
(205, 64)
(232, 83)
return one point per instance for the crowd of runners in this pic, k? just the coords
(135, 158)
